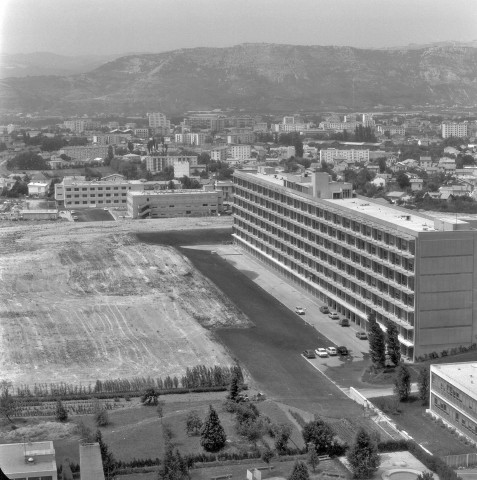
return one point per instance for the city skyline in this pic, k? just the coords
(113, 27)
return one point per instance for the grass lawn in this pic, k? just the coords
(425, 431)
(238, 471)
(138, 432)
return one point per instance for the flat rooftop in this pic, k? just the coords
(150, 193)
(463, 375)
(366, 208)
(12, 457)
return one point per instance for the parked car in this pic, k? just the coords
(324, 309)
(75, 217)
(361, 335)
(331, 351)
(344, 322)
(334, 316)
(309, 354)
(300, 310)
(342, 350)
(321, 352)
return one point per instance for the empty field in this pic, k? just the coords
(81, 304)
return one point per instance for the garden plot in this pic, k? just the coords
(81, 304)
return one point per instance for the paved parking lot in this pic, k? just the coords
(92, 215)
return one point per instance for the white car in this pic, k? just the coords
(106, 208)
(331, 351)
(321, 352)
(300, 310)
(333, 316)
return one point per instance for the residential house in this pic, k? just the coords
(416, 184)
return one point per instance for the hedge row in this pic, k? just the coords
(105, 396)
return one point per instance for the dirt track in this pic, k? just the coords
(86, 302)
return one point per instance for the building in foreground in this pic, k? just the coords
(453, 396)
(174, 203)
(362, 257)
(28, 461)
(91, 465)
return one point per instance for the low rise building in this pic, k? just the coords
(39, 189)
(87, 152)
(174, 203)
(157, 163)
(28, 461)
(453, 396)
(239, 152)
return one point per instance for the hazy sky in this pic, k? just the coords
(72, 27)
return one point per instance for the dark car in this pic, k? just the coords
(342, 350)
(344, 322)
(309, 354)
(324, 309)
(362, 335)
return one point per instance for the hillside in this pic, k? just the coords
(256, 77)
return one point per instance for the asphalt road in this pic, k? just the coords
(271, 350)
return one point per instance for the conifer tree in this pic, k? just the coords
(109, 463)
(212, 434)
(392, 342)
(363, 456)
(423, 382)
(300, 471)
(61, 412)
(377, 347)
(234, 388)
(402, 383)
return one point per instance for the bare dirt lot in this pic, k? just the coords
(85, 302)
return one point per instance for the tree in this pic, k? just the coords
(150, 397)
(282, 434)
(392, 343)
(130, 147)
(320, 434)
(61, 412)
(193, 423)
(66, 473)
(110, 155)
(101, 416)
(174, 465)
(234, 388)
(313, 459)
(267, 456)
(363, 455)
(300, 471)
(212, 434)
(403, 180)
(425, 476)
(109, 463)
(423, 382)
(377, 347)
(402, 383)
(171, 185)
(51, 188)
(85, 433)
(7, 402)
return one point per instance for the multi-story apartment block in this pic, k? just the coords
(239, 152)
(367, 120)
(113, 125)
(141, 132)
(157, 163)
(243, 137)
(453, 396)
(206, 120)
(392, 129)
(181, 168)
(218, 154)
(190, 138)
(87, 152)
(454, 130)
(111, 138)
(364, 258)
(174, 203)
(329, 155)
(339, 126)
(158, 120)
(28, 461)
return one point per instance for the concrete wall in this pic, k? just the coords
(445, 290)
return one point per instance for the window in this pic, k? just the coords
(188, 212)
(76, 189)
(68, 196)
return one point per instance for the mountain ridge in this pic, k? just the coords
(257, 77)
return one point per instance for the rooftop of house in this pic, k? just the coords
(14, 457)
(463, 375)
